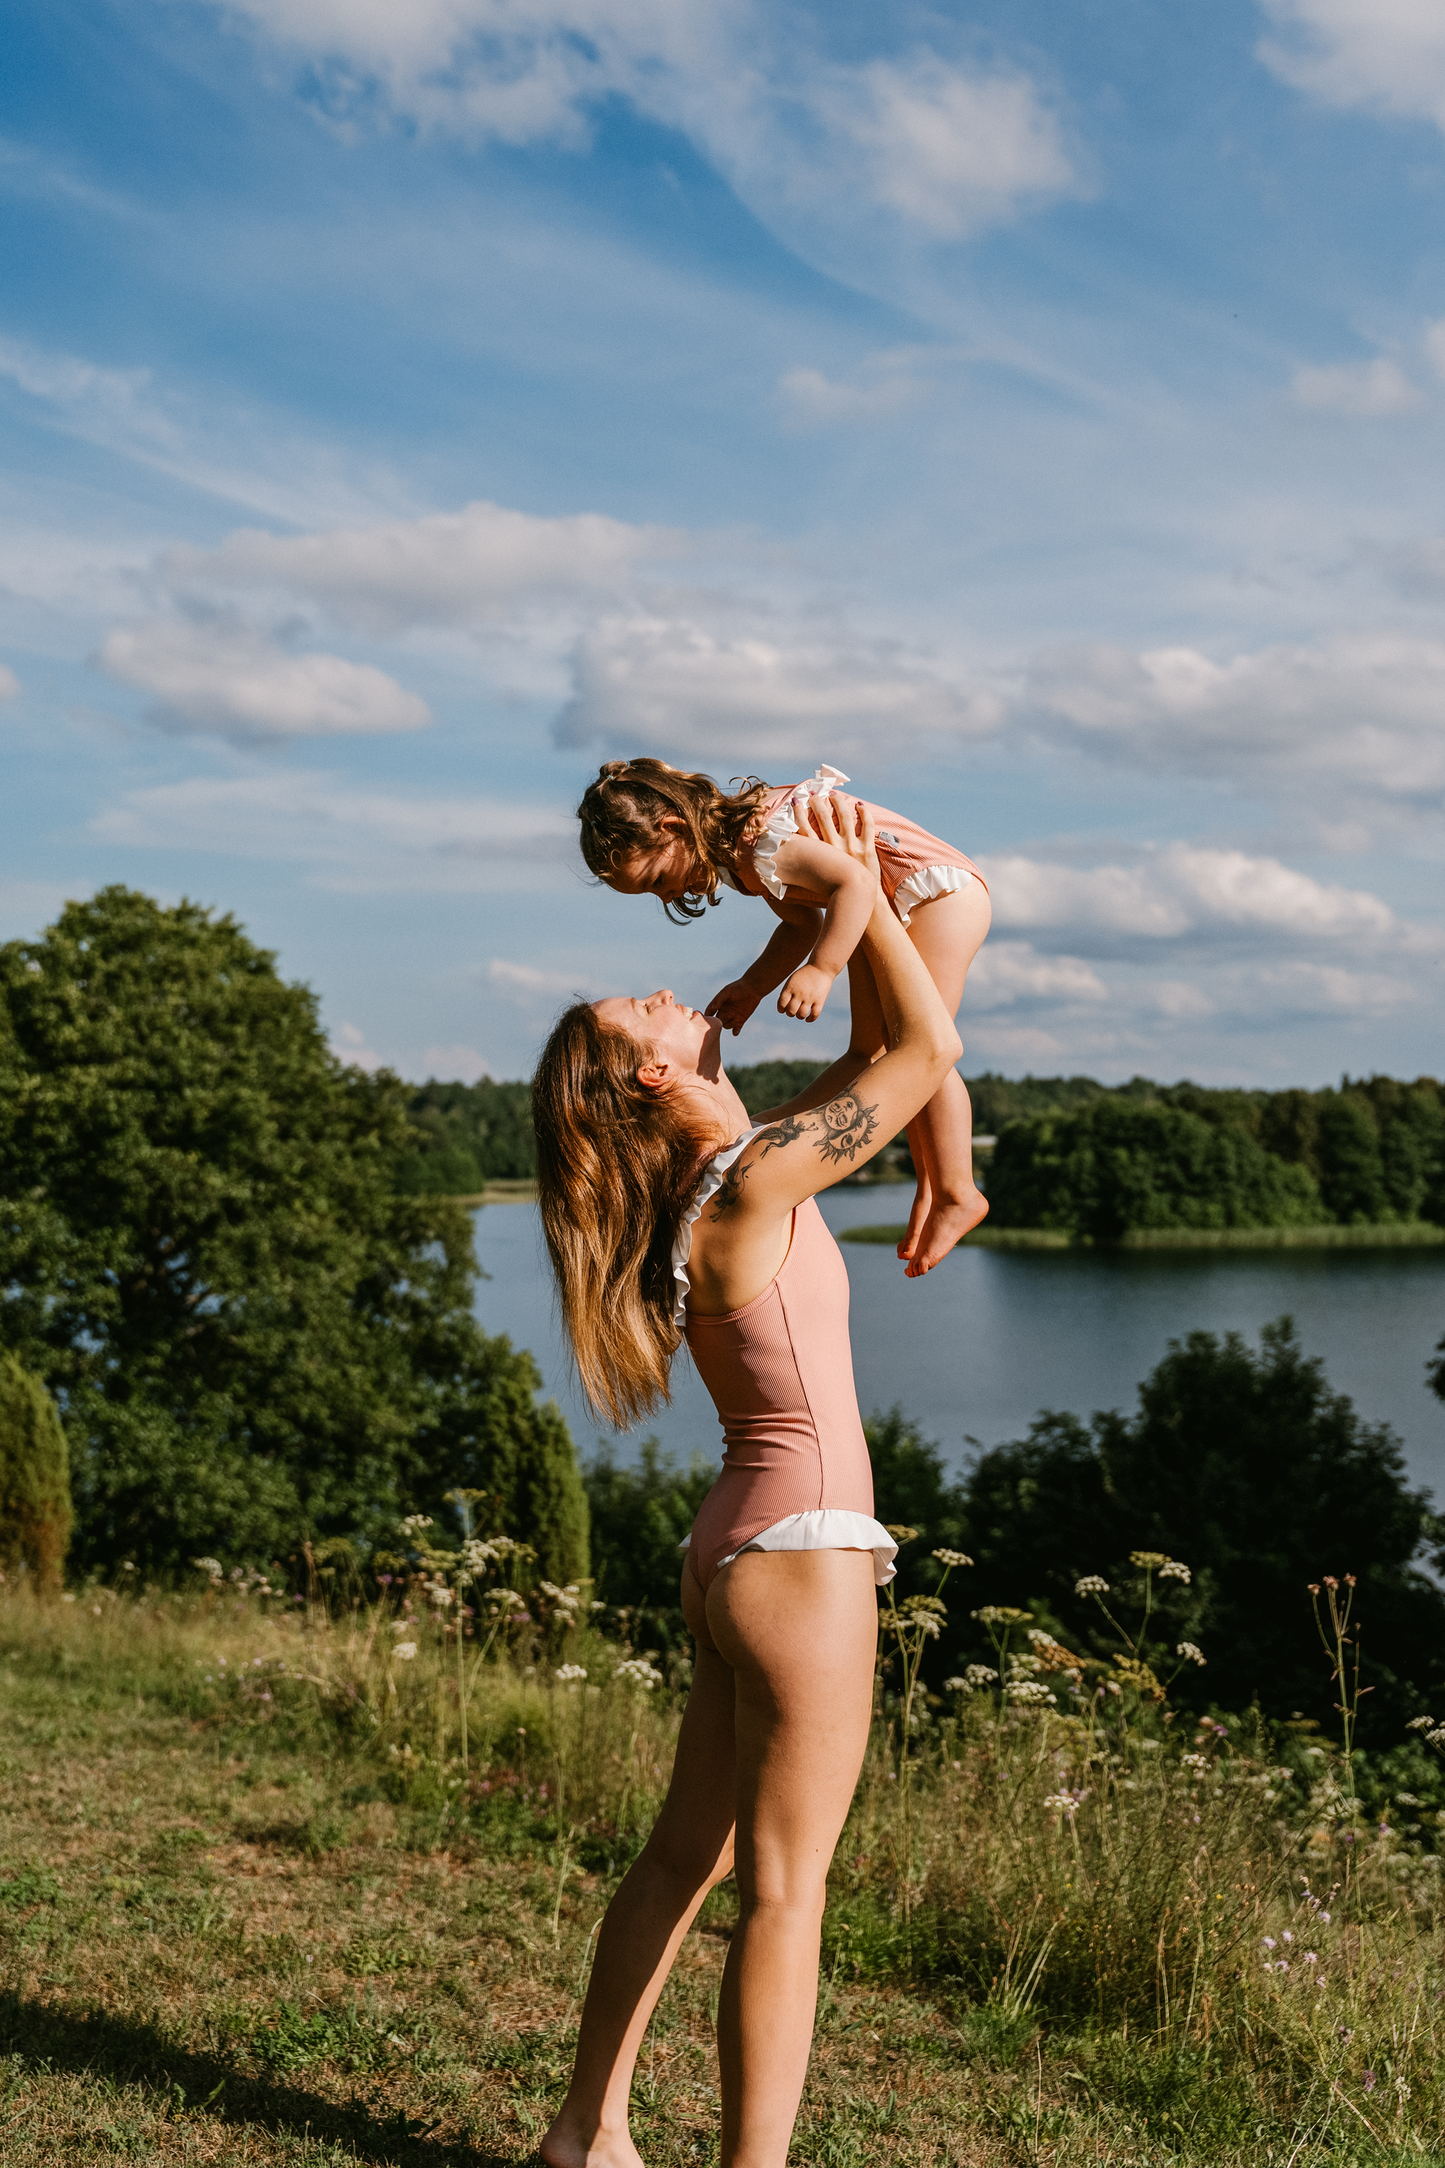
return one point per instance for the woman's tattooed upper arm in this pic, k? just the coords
(781, 1133)
(848, 1128)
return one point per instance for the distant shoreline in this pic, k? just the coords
(1404, 1234)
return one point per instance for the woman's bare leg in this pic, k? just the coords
(687, 1854)
(947, 933)
(800, 1630)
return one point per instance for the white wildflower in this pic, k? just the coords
(978, 1675)
(404, 1651)
(568, 1673)
(954, 1686)
(953, 1558)
(1001, 1614)
(211, 1566)
(1436, 1738)
(1024, 1667)
(1416, 1723)
(414, 1523)
(1194, 1761)
(1064, 1802)
(1191, 1652)
(1092, 1584)
(1029, 1693)
(637, 1671)
(1174, 1569)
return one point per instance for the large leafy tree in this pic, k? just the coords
(250, 1334)
(1244, 1464)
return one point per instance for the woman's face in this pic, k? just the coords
(675, 1035)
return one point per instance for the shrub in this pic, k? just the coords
(35, 1509)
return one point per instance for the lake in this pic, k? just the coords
(975, 1349)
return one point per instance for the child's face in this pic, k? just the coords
(666, 871)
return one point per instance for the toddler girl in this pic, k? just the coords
(652, 830)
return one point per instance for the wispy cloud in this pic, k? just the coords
(231, 681)
(379, 842)
(9, 683)
(1365, 390)
(1385, 55)
(813, 400)
(447, 568)
(945, 147)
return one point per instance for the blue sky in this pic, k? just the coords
(1038, 412)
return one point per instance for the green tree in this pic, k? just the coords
(35, 1509)
(491, 1435)
(466, 1135)
(1120, 1164)
(1246, 1466)
(252, 1337)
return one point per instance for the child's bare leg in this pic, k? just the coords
(922, 1194)
(948, 933)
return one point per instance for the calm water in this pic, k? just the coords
(976, 1348)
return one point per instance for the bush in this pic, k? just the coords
(35, 1509)
(1247, 1467)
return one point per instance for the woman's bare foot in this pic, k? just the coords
(948, 1223)
(917, 1218)
(566, 2145)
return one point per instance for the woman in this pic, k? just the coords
(669, 1214)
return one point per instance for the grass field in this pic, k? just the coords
(262, 1901)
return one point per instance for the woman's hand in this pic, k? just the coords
(846, 825)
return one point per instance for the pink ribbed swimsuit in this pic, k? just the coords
(913, 865)
(780, 1372)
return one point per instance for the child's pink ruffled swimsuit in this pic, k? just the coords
(913, 865)
(795, 1474)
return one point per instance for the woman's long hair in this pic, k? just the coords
(622, 814)
(615, 1170)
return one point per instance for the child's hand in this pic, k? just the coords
(805, 992)
(734, 1004)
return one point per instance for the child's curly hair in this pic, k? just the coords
(622, 813)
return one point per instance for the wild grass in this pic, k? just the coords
(273, 1890)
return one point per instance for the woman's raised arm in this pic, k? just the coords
(802, 1153)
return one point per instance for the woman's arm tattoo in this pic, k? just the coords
(848, 1128)
(730, 1190)
(781, 1133)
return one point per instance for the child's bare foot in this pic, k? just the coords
(917, 1218)
(567, 2146)
(948, 1223)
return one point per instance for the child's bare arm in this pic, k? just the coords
(804, 862)
(791, 943)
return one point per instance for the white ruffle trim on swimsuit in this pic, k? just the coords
(926, 883)
(784, 822)
(827, 1529)
(712, 1181)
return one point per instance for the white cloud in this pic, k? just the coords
(1385, 55)
(1362, 389)
(1182, 893)
(813, 400)
(448, 568)
(348, 1044)
(1011, 974)
(950, 150)
(528, 982)
(681, 690)
(237, 683)
(1359, 711)
(361, 840)
(9, 683)
(461, 1063)
(1435, 346)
